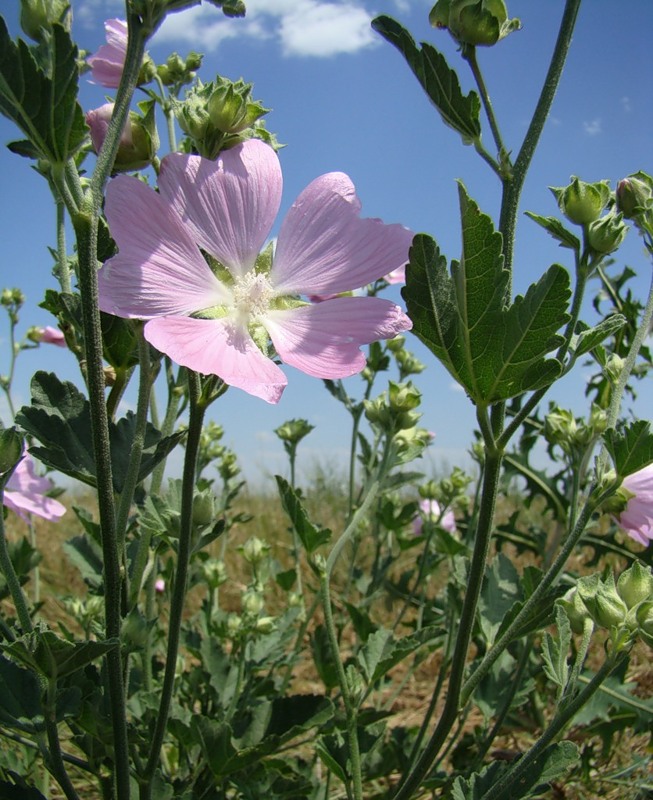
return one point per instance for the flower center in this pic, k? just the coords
(252, 295)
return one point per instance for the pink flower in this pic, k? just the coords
(53, 336)
(397, 275)
(430, 510)
(107, 64)
(25, 493)
(637, 518)
(217, 321)
(159, 586)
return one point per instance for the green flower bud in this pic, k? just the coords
(253, 603)
(474, 22)
(644, 616)
(234, 625)
(403, 396)
(204, 508)
(560, 428)
(230, 107)
(255, 550)
(605, 606)
(582, 202)
(11, 449)
(606, 234)
(396, 345)
(139, 141)
(575, 609)
(134, 630)
(12, 299)
(294, 430)
(635, 195)
(37, 17)
(265, 625)
(409, 364)
(214, 572)
(635, 585)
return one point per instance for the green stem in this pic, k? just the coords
(469, 54)
(565, 715)
(174, 398)
(513, 188)
(63, 272)
(13, 583)
(197, 410)
(351, 711)
(57, 765)
(491, 473)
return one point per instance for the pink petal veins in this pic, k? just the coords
(323, 340)
(158, 270)
(230, 204)
(218, 347)
(324, 247)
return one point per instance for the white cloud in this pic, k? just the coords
(593, 127)
(312, 28)
(626, 104)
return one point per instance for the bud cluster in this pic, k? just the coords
(635, 200)
(573, 434)
(624, 608)
(394, 409)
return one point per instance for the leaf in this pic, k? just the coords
(553, 762)
(589, 338)
(311, 536)
(44, 107)
(438, 80)
(60, 419)
(86, 555)
(381, 652)
(20, 705)
(54, 657)
(557, 230)
(538, 483)
(631, 448)
(501, 589)
(494, 351)
(555, 652)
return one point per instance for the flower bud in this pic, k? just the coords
(48, 334)
(582, 202)
(234, 625)
(396, 345)
(635, 585)
(214, 572)
(204, 508)
(265, 625)
(294, 430)
(38, 16)
(253, 603)
(575, 609)
(139, 140)
(635, 195)
(474, 22)
(403, 396)
(255, 550)
(606, 234)
(644, 617)
(603, 603)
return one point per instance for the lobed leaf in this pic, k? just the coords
(631, 448)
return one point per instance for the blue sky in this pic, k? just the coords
(343, 99)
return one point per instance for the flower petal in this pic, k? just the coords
(218, 347)
(24, 493)
(323, 340)
(159, 270)
(324, 247)
(108, 62)
(229, 204)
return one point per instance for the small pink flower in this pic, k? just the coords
(637, 518)
(159, 586)
(107, 64)
(52, 336)
(217, 322)
(25, 493)
(430, 510)
(397, 275)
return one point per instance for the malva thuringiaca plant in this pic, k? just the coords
(204, 648)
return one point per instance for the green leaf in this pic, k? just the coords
(495, 352)
(501, 589)
(497, 688)
(589, 338)
(311, 536)
(438, 80)
(54, 657)
(86, 555)
(553, 762)
(557, 230)
(20, 705)
(631, 448)
(381, 651)
(44, 107)
(555, 652)
(60, 419)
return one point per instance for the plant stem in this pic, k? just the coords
(469, 54)
(13, 583)
(452, 704)
(513, 188)
(197, 409)
(63, 272)
(565, 715)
